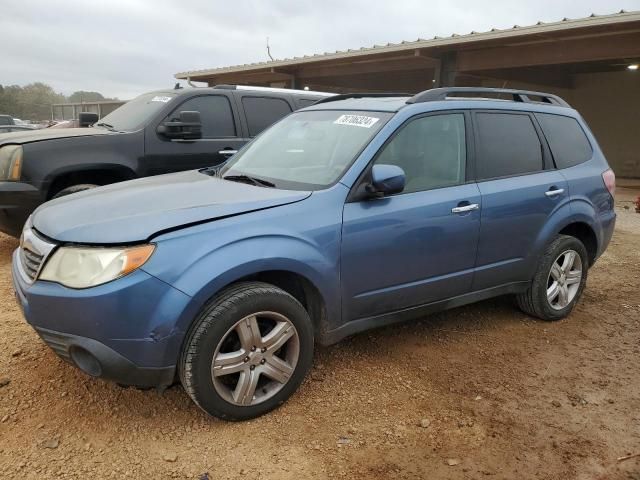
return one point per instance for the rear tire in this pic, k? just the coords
(558, 282)
(247, 352)
(74, 189)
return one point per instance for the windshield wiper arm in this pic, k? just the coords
(247, 179)
(106, 125)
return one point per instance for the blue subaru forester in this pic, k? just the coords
(354, 213)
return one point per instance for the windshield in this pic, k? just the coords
(135, 114)
(307, 150)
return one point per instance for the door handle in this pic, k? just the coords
(465, 208)
(228, 152)
(554, 192)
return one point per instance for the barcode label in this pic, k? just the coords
(356, 121)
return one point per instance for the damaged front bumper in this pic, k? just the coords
(124, 331)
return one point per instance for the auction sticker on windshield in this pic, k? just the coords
(356, 120)
(161, 99)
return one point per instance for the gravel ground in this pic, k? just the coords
(477, 392)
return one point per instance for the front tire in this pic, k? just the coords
(74, 189)
(559, 280)
(247, 352)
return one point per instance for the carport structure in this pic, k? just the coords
(588, 61)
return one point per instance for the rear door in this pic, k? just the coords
(221, 137)
(520, 189)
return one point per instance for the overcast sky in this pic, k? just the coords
(125, 47)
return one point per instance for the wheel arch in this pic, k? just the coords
(585, 233)
(100, 174)
(576, 222)
(576, 219)
(298, 282)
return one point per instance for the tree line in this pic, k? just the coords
(33, 101)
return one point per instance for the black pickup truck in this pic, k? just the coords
(157, 132)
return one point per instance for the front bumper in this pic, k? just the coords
(98, 360)
(17, 201)
(125, 331)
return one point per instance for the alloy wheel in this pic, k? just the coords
(255, 358)
(564, 279)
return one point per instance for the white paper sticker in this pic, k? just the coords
(356, 121)
(161, 99)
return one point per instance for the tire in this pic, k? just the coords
(216, 334)
(74, 189)
(542, 303)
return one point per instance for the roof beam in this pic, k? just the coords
(542, 78)
(373, 65)
(550, 53)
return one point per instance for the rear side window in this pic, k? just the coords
(263, 111)
(569, 145)
(5, 120)
(215, 114)
(507, 144)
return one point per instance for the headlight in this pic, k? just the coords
(10, 162)
(83, 267)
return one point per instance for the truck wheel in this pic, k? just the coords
(247, 352)
(74, 189)
(559, 280)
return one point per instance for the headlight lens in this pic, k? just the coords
(83, 267)
(10, 162)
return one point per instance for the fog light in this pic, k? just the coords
(85, 361)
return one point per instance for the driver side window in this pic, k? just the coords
(431, 150)
(215, 114)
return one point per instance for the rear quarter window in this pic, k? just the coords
(568, 142)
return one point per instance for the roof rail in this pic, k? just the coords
(272, 89)
(345, 96)
(524, 96)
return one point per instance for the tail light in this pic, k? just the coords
(610, 181)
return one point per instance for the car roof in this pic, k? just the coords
(448, 98)
(260, 90)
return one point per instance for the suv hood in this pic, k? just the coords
(28, 136)
(135, 211)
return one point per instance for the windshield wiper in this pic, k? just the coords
(212, 171)
(251, 180)
(106, 125)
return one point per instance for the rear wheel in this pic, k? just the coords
(74, 189)
(559, 280)
(248, 351)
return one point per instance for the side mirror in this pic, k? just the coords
(86, 119)
(386, 180)
(187, 127)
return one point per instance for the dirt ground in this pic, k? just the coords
(477, 392)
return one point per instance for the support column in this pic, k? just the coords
(448, 70)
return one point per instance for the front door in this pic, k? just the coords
(220, 138)
(418, 246)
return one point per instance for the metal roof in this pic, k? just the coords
(455, 39)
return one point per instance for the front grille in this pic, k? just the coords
(31, 263)
(34, 251)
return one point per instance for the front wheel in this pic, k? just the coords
(248, 351)
(559, 280)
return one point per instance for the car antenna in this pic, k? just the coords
(269, 50)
